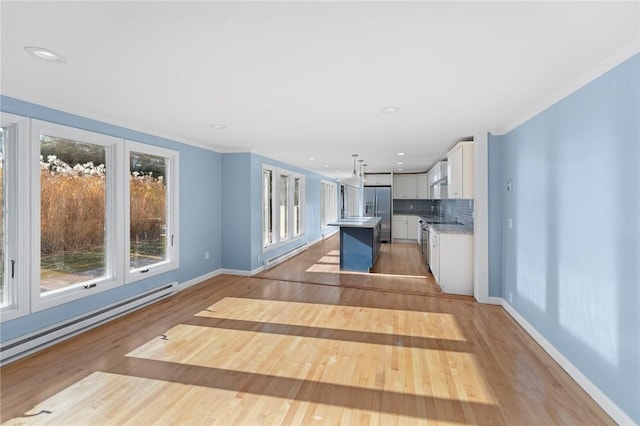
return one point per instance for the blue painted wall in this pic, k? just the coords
(571, 262)
(237, 211)
(200, 218)
(495, 186)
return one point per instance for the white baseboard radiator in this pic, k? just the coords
(284, 256)
(24, 345)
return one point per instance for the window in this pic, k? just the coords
(351, 201)
(14, 209)
(4, 295)
(284, 208)
(297, 206)
(84, 212)
(152, 210)
(285, 190)
(267, 207)
(328, 209)
(74, 228)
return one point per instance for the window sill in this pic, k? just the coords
(151, 271)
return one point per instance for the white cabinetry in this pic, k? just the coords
(405, 187)
(460, 171)
(412, 227)
(381, 179)
(399, 227)
(405, 227)
(434, 255)
(451, 261)
(423, 186)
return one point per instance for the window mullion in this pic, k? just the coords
(291, 207)
(275, 199)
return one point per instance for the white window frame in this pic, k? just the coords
(17, 178)
(333, 213)
(114, 243)
(276, 173)
(352, 205)
(172, 260)
(22, 147)
(301, 203)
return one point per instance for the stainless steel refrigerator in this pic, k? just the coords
(377, 202)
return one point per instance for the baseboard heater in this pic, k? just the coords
(38, 340)
(284, 256)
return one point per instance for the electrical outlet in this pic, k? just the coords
(206, 255)
(510, 297)
(510, 223)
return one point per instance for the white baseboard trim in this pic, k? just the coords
(242, 272)
(494, 300)
(589, 387)
(325, 236)
(199, 279)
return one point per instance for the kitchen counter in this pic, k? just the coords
(448, 228)
(359, 242)
(435, 219)
(357, 222)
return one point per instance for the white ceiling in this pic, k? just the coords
(293, 80)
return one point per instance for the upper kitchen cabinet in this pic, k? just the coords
(460, 171)
(378, 180)
(405, 187)
(423, 186)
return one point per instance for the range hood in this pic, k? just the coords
(439, 173)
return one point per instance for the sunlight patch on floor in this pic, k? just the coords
(361, 318)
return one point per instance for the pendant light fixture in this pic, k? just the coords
(360, 161)
(355, 174)
(364, 173)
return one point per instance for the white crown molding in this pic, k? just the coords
(582, 80)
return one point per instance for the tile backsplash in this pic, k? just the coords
(460, 210)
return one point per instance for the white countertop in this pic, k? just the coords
(357, 222)
(451, 228)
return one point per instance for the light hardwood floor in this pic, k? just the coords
(399, 268)
(245, 351)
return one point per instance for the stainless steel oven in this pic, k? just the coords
(425, 244)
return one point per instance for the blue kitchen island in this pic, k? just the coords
(359, 242)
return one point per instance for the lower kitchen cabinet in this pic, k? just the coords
(451, 261)
(413, 227)
(399, 227)
(405, 227)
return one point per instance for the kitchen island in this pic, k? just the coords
(359, 242)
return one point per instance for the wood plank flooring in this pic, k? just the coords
(399, 268)
(247, 351)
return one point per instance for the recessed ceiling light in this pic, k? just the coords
(327, 165)
(312, 158)
(400, 163)
(45, 54)
(399, 170)
(390, 110)
(218, 126)
(401, 153)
